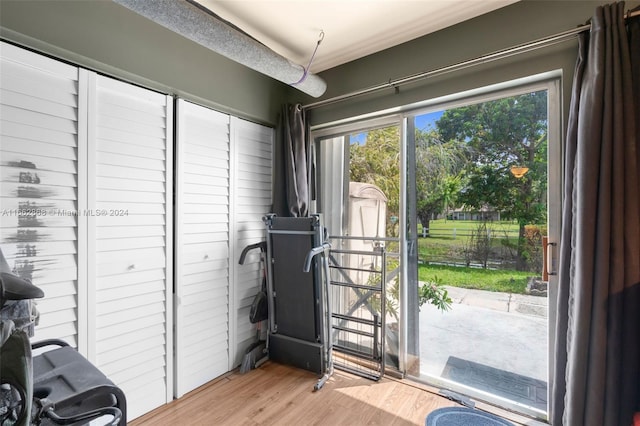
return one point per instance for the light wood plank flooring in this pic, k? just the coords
(275, 394)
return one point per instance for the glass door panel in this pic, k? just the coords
(359, 198)
(481, 179)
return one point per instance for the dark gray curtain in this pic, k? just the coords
(597, 377)
(291, 177)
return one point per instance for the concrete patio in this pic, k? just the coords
(502, 333)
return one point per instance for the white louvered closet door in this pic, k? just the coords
(202, 246)
(252, 147)
(131, 239)
(39, 178)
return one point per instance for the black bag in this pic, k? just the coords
(259, 308)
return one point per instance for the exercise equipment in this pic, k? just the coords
(298, 294)
(59, 386)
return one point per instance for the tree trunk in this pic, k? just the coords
(521, 261)
(425, 225)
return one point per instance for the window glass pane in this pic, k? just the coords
(481, 196)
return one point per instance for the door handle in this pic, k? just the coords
(551, 259)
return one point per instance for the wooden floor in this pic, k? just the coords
(275, 394)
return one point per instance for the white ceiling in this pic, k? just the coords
(352, 28)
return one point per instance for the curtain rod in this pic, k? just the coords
(500, 54)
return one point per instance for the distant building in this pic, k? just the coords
(464, 213)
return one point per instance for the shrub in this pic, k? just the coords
(532, 252)
(433, 291)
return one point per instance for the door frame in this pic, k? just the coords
(401, 116)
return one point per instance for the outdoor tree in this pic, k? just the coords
(452, 186)
(438, 165)
(377, 161)
(503, 134)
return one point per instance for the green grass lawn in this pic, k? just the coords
(448, 238)
(448, 243)
(475, 278)
(437, 246)
(442, 227)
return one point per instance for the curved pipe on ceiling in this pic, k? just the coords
(205, 29)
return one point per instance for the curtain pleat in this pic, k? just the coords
(598, 328)
(291, 178)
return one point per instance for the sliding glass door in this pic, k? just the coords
(486, 214)
(465, 195)
(359, 183)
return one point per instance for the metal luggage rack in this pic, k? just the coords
(358, 295)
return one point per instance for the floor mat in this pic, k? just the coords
(518, 388)
(456, 416)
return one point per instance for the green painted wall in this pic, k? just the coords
(106, 37)
(513, 25)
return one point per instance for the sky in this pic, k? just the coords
(427, 121)
(423, 122)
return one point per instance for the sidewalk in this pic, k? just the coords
(505, 302)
